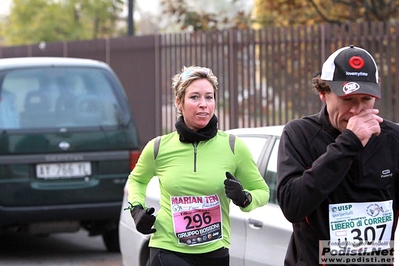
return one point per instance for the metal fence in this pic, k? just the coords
(264, 75)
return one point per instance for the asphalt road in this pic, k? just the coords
(65, 249)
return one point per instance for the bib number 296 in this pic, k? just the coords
(197, 220)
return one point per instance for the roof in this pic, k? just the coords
(268, 130)
(24, 62)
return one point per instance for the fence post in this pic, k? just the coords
(233, 106)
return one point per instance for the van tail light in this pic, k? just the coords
(134, 157)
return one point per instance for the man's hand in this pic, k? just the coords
(365, 124)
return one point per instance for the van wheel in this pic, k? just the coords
(111, 240)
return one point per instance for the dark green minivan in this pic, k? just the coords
(67, 144)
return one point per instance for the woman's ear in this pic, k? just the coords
(178, 104)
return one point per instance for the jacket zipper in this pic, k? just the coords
(195, 156)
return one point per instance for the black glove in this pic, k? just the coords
(234, 190)
(143, 219)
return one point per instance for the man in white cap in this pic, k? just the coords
(338, 170)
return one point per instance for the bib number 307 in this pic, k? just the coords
(361, 225)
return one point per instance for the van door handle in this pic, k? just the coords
(255, 224)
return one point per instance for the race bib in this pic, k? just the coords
(196, 219)
(364, 225)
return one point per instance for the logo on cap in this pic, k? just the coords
(350, 87)
(356, 62)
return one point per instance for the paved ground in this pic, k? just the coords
(67, 249)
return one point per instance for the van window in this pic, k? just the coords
(57, 97)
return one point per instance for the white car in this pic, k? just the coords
(259, 237)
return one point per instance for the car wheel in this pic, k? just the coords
(111, 240)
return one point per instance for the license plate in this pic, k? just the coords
(63, 170)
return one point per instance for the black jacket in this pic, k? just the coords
(319, 166)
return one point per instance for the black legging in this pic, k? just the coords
(162, 257)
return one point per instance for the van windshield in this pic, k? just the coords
(58, 97)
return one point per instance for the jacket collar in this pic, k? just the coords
(325, 122)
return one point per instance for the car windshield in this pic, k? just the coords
(255, 145)
(57, 97)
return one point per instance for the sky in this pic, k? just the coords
(4, 6)
(145, 5)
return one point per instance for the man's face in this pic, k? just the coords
(340, 109)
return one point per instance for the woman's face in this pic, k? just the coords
(199, 104)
